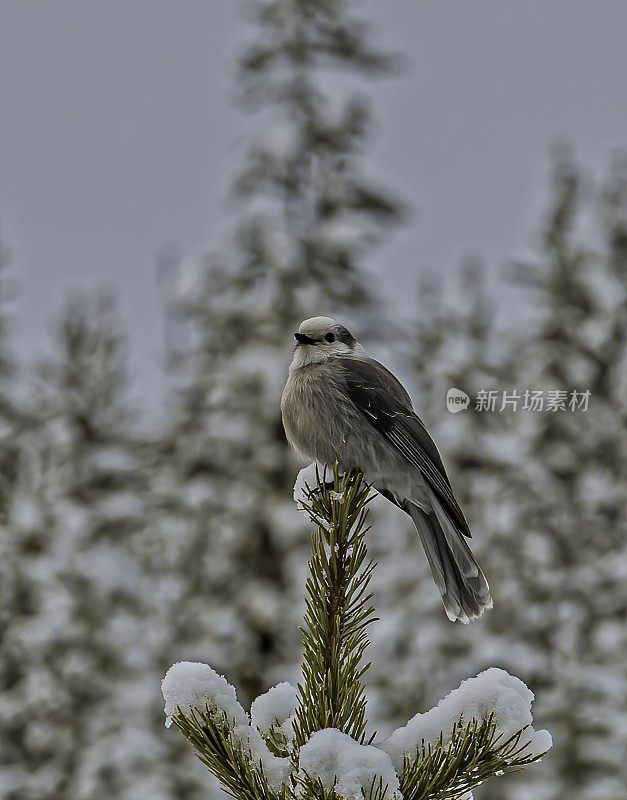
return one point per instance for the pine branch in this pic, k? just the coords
(474, 753)
(338, 609)
(225, 757)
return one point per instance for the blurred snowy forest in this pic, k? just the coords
(123, 550)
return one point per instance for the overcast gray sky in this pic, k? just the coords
(117, 136)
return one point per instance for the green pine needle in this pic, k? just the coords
(338, 608)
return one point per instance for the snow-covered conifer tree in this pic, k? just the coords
(563, 590)
(8, 407)
(544, 491)
(453, 346)
(74, 710)
(309, 215)
(16, 596)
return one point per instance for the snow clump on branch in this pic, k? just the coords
(276, 708)
(190, 685)
(349, 768)
(493, 691)
(307, 477)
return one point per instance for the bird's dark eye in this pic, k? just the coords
(330, 337)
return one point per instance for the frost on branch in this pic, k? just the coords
(310, 742)
(493, 693)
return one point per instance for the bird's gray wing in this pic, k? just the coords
(385, 403)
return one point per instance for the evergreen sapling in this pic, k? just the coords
(312, 741)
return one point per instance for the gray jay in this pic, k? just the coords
(341, 405)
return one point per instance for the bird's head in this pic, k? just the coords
(319, 338)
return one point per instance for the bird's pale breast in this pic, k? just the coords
(312, 410)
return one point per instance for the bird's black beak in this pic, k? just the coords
(301, 338)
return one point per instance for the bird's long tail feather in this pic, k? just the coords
(462, 584)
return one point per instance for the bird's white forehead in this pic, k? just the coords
(314, 326)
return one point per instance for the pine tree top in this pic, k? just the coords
(311, 741)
